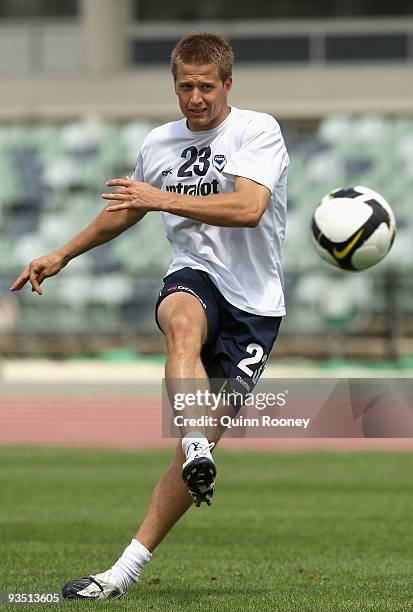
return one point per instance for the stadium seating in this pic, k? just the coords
(52, 177)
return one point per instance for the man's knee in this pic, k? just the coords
(183, 322)
(184, 333)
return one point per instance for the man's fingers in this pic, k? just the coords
(20, 281)
(116, 196)
(34, 281)
(30, 274)
(114, 207)
(119, 183)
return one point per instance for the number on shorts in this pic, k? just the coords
(258, 356)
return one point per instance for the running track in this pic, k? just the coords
(107, 420)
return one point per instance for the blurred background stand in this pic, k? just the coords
(84, 81)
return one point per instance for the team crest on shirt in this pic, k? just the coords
(219, 162)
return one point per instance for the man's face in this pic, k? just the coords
(202, 95)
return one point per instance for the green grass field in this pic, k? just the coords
(293, 531)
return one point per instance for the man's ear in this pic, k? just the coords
(228, 85)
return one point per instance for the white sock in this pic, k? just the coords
(128, 567)
(193, 437)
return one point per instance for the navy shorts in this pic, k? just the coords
(238, 343)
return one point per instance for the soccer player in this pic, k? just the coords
(219, 177)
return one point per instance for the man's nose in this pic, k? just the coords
(196, 97)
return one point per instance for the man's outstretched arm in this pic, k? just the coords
(241, 208)
(105, 227)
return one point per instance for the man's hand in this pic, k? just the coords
(132, 194)
(38, 270)
(242, 207)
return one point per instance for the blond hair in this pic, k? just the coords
(201, 48)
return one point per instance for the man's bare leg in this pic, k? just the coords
(170, 500)
(183, 322)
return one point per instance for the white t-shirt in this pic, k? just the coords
(244, 263)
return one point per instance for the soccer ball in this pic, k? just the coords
(353, 228)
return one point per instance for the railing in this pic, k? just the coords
(380, 328)
(47, 46)
(314, 41)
